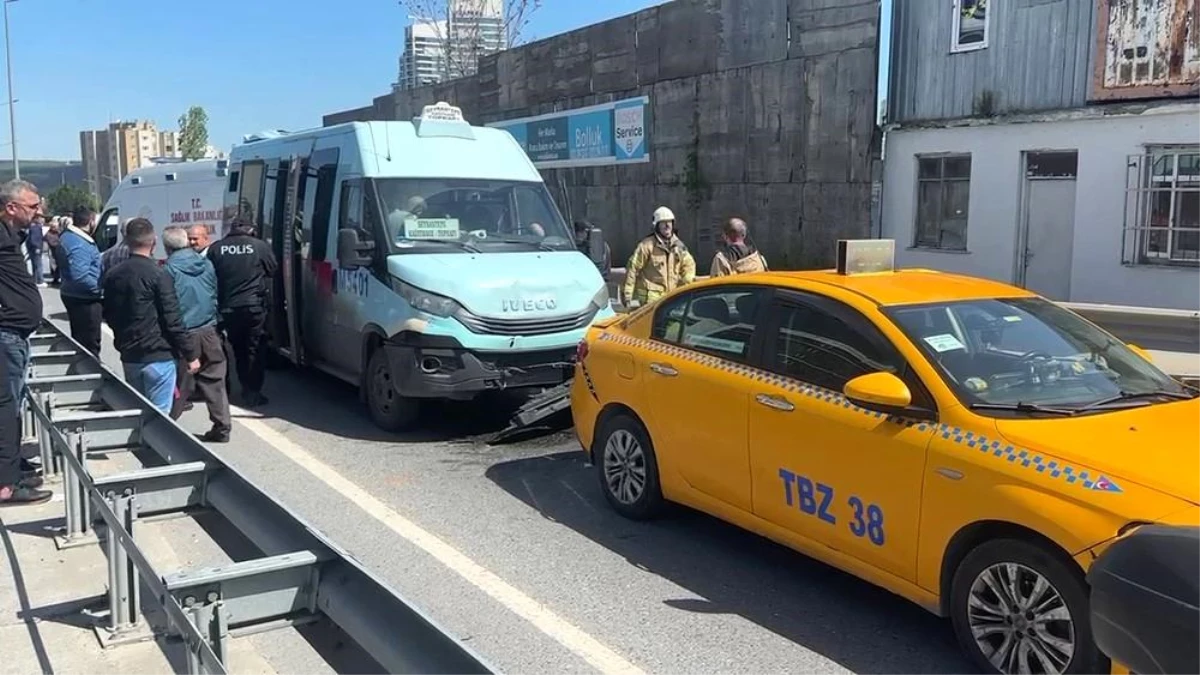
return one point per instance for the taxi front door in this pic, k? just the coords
(822, 467)
(698, 394)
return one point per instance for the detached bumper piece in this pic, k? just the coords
(1146, 600)
(537, 409)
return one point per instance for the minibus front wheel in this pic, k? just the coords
(389, 410)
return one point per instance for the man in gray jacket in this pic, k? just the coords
(196, 286)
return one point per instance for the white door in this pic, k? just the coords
(1049, 224)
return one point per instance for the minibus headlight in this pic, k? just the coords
(424, 301)
(600, 300)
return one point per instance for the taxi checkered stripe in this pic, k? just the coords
(1025, 459)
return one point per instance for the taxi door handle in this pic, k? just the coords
(663, 369)
(776, 402)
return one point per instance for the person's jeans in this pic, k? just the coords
(14, 349)
(35, 264)
(155, 381)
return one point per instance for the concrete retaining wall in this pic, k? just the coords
(762, 109)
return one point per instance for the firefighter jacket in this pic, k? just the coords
(656, 268)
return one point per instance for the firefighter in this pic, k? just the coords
(660, 263)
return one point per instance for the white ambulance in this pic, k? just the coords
(169, 192)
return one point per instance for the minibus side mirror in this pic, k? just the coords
(352, 252)
(596, 246)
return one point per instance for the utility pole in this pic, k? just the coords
(12, 115)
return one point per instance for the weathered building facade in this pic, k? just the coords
(763, 109)
(1053, 144)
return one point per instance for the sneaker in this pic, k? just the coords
(21, 495)
(214, 436)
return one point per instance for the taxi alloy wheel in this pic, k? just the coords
(1017, 608)
(389, 410)
(628, 468)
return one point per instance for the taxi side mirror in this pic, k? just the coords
(881, 392)
(1140, 352)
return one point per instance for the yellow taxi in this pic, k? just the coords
(963, 443)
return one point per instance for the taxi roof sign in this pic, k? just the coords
(866, 256)
(442, 112)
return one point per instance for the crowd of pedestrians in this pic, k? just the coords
(175, 324)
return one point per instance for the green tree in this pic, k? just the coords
(193, 133)
(66, 198)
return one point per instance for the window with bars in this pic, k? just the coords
(943, 198)
(1162, 207)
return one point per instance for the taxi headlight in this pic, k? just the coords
(424, 301)
(601, 299)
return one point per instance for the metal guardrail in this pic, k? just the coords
(77, 408)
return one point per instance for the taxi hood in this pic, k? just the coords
(505, 285)
(1156, 446)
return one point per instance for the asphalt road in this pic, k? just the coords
(513, 548)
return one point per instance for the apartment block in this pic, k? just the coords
(109, 154)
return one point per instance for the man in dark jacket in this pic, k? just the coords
(141, 307)
(196, 286)
(34, 243)
(80, 290)
(20, 313)
(244, 265)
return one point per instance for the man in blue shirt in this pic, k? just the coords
(196, 287)
(80, 288)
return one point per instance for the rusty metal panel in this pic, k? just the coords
(1146, 49)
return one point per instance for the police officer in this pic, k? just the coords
(244, 265)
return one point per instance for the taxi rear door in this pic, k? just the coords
(823, 467)
(697, 386)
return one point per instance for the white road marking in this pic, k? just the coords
(543, 618)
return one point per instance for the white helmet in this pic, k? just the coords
(663, 213)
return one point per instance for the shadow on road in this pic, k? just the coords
(320, 402)
(864, 628)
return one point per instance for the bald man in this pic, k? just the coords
(736, 255)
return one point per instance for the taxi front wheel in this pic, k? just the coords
(1018, 608)
(628, 470)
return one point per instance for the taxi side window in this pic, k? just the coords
(816, 346)
(720, 323)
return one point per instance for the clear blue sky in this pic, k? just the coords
(253, 64)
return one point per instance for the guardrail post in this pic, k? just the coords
(45, 401)
(124, 581)
(210, 620)
(78, 531)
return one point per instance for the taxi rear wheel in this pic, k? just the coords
(1018, 608)
(627, 468)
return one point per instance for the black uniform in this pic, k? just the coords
(20, 313)
(244, 266)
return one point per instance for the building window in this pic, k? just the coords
(1162, 207)
(943, 196)
(970, 25)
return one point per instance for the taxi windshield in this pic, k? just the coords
(1029, 354)
(470, 215)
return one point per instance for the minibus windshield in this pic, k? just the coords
(483, 214)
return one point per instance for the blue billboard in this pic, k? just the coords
(598, 135)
